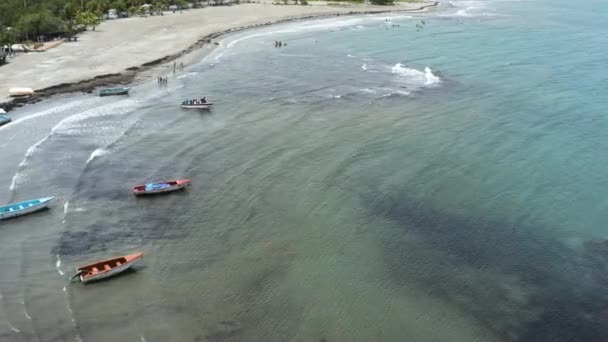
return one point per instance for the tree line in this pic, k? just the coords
(28, 20)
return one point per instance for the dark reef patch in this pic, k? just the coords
(567, 289)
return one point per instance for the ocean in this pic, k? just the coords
(399, 177)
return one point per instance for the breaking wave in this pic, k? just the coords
(415, 78)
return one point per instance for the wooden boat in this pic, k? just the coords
(114, 91)
(4, 119)
(106, 268)
(20, 92)
(23, 208)
(206, 105)
(160, 187)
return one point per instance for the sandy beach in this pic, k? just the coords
(118, 45)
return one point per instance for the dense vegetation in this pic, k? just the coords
(29, 19)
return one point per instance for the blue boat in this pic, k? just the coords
(114, 91)
(23, 208)
(4, 119)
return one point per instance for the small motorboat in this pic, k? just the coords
(206, 105)
(114, 91)
(160, 187)
(106, 268)
(23, 208)
(20, 92)
(4, 119)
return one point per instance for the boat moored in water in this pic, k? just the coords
(4, 119)
(23, 208)
(160, 187)
(114, 91)
(106, 268)
(197, 104)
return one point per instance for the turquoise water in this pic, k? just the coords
(371, 181)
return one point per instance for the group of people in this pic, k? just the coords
(162, 80)
(278, 43)
(181, 66)
(202, 100)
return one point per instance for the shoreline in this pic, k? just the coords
(129, 75)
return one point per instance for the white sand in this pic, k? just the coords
(123, 43)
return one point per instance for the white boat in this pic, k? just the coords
(2, 111)
(18, 92)
(197, 104)
(106, 268)
(23, 208)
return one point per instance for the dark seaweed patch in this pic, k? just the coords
(100, 237)
(569, 294)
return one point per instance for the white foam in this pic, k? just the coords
(60, 272)
(65, 211)
(187, 75)
(58, 263)
(364, 67)
(468, 9)
(13, 328)
(30, 151)
(413, 77)
(350, 56)
(68, 106)
(430, 77)
(96, 154)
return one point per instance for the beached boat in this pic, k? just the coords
(20, 92)
(4, 119)
(160, 187)
(114, 91)
(23, 208)
(106, 268)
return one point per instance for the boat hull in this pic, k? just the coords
(112, 272)
(205, 106)
(110, 92)
(20, 92)
(181, 184)
(27, 210)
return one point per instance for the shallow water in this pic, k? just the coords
(367, 182)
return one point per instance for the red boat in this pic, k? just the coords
(160, 187)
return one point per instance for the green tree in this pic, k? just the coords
(119, 6)
(87, 19)
(69, 15)
(98, 7)
(39, 22)
(158, 7)
(382, 2)
(182, 4)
